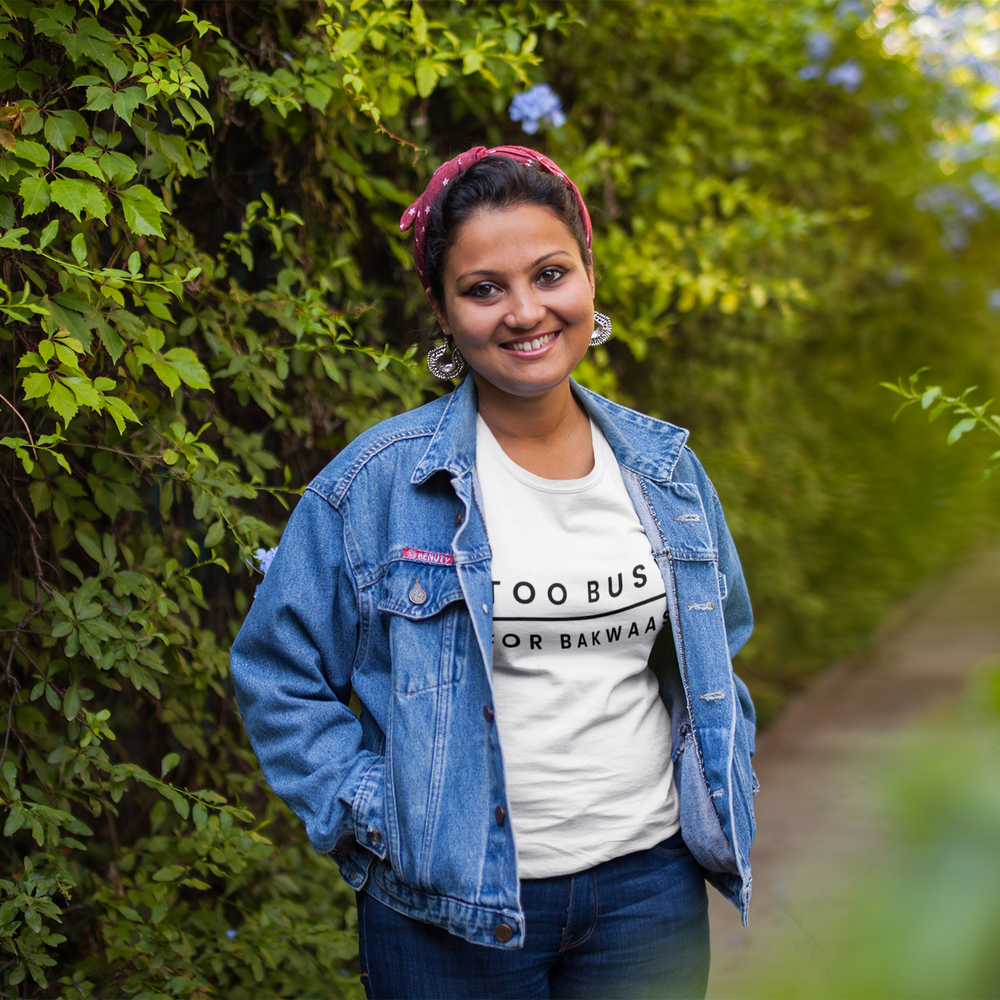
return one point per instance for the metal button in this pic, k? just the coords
(458, 519)
(487, 713)
(503, 933)
(500, 814)
(417, 593)
(375, 836)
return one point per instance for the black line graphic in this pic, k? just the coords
(586, 618)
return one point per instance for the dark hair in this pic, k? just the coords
(495, 182)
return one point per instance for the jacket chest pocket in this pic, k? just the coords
(428, 624)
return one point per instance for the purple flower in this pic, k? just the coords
(265, 557)
(819, 45)
(847, 75)
(230, 934)
(540, 104)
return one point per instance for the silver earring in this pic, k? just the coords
(603, 332)
(445, 371)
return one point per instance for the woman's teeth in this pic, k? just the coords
(531, 345)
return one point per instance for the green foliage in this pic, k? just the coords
(933, 399)
(205, 295)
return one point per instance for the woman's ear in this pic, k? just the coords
(590, 278)
(438, 312)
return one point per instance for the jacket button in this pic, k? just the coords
(500, 815)
(487, 713)
(375, 837)
(458, 519)
(503, 933)
(417, 594)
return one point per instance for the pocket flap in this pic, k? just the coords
(418, 590)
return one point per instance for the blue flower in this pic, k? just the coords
(540, 104)
(847, 75)
(230, 934)
(265, 557)
(819, 45)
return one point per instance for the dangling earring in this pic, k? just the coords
(603, 331)
(445, 371)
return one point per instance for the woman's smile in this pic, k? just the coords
(531, 348)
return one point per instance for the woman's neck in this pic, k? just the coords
(548, 435)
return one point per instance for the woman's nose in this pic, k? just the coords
(526, 310)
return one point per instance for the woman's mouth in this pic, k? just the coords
(532, 346)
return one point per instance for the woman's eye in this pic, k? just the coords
(481, 291)
(551, 275)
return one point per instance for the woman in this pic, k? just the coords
(534, 595)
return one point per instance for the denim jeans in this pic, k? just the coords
(636, 926)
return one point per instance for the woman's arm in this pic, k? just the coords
(736, 609)
(291, 666)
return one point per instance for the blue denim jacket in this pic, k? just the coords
(382, 584)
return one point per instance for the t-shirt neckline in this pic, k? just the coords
(539, 483)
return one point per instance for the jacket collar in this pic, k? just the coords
(647, 446)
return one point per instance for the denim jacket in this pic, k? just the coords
(382, 585)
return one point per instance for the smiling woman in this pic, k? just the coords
(534, 595)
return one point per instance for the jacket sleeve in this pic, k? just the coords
(736, 609)
(291, 666)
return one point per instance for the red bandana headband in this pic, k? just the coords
(416, 215)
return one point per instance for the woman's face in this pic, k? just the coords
(518, 299)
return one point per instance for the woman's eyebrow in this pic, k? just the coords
(496, 274)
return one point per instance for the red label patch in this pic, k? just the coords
(424, 556)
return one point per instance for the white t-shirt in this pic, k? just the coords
(577, 603)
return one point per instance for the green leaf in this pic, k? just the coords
(63, 401)
(118, 167)
(82, 164)
(349, 41)
(33, 152)
(962, 427)
(126, 101)
(7, 216)
(134, 263)
(169, 763)
(109, 338)
(427, 78)
(36, 384)
(79, 248)
(215, 534)
(117, 70)
(28, 82)
(120, 411)
(49, 233)
(75, 196)
(142, 211)
(35, 192)
(191, 371)
(170, 872)
(166, 375)
(63, 128)
(71, 702)
(99, 98)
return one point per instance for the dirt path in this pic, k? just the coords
(817, 816)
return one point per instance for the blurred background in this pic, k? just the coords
(205, 295)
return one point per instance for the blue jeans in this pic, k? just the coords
(636, 926)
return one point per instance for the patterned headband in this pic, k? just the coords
(416, 215)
